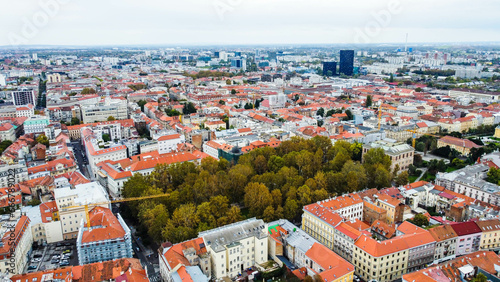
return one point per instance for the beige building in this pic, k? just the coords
(490, 238)
(461, 145)
(401, 153)
(320, 223)
(381, 261)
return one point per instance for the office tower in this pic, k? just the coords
(239, 63)
(216, 54)
(329, 67)
(24, 97)
(346, 62)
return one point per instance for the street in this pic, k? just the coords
(81, 157)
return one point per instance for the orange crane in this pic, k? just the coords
(86, 206)
(380, 115)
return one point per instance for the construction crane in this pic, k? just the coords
(86, 206)
(380, 115)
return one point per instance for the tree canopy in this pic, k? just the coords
(268, 183)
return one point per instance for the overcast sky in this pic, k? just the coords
(198, 22)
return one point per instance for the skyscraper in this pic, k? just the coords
(329, 67)
(346, 62)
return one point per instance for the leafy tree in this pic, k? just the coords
(106, 137)
(141, 104)
(4, 145)
(480, 277)
(458, 163)
(33, 202)
(42, 139)
(420, 220)
(222, 102)
(75, 121)
(189, 108)
(172, 112)
(228, 81)
(248, 106)
(493, 175)
(349, 114)
(420, 146)
(320, 112)
(257, 198)
(88, 91)
(233, 91)
(402, 178)
(111, 118)
(368, 101)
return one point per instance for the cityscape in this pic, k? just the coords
(367, 151)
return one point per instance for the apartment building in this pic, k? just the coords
(7, 132)
(401, 154)
(344, 238)
(446, 241)
(35, 124)
(19, 170)
(381, 261)
(168, 143)
(469, 181)
(328, 265)
(490, 237)
(306, 254)
(186, 261)
(110, 107)
(107, 237)
(393, 206)
(15, 243)
(348, 206)
(468, 237)
(236, 247)
(464, 268)
(320, 222)
(24, 97)
(71, 201)
(421, 245)
(97, 153)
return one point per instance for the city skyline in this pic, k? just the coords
(235, 22)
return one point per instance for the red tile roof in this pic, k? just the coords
(104, 226)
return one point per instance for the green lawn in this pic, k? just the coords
(450, 169)
(412, 178)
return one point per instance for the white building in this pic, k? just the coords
(236, 247)
(7, 132)
(168, 143)
(101, 111)
(82, 194)
(16, 243)
(35, 124)
(97, 153)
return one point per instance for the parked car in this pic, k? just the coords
(31, 267)
(56, 256)
(54, 261)
(64, 263)
(67, 251)
(36, 260)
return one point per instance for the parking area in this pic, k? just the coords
(52, 256)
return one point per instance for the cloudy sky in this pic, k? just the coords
(199, 22)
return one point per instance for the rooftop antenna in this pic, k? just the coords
(406, 43)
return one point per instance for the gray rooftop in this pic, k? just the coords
(228, 235)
